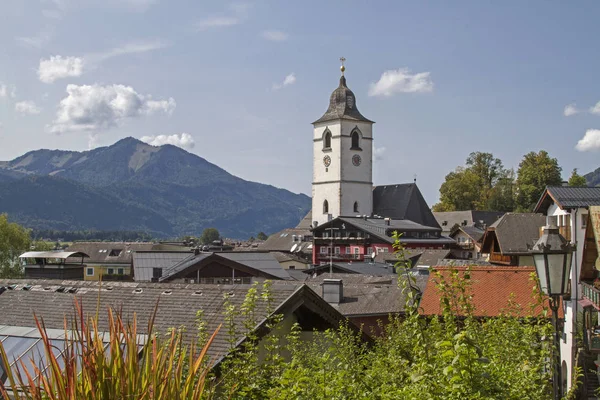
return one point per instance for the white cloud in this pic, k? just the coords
(289, 80)
(216, 22)
(401, 81)
(570, 109)
(57, 67)
(7, 90)
(93, 108)
(128, 48)
(378, 153)
(27, 107)
(274, 36)
(183, 140)
(37, 41)
(590, 141)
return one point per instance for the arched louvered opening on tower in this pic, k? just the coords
(327, 140)
(355, 137)
(325, 207)
(356, 206)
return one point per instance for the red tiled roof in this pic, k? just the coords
(491, 289)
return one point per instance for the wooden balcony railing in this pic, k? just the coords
(499, 258)
(589, 292)
(341, 257)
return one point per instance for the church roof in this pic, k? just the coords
(342, 105)
(402, 201)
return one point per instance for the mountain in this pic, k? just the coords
(131, 185)
(593, 178)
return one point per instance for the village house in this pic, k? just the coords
(53, 264)
(570, 208)
(508, 240)
(467, 244)
(449, 220)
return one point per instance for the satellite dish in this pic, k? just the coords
(298, 249)
(373, 255)
(293, 248)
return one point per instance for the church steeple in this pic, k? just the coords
(342, 103)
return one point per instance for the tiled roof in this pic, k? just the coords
(491, 289)
(447, 219)
(514, 232)
(110, 252)
(475, 233)
(284, 241)
(431, 257)
(342, 105)
(402, 201)
(176, 305)
(568, 197)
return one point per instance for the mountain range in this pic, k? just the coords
(165, 191)
(593, 178)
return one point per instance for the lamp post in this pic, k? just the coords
(552, 258)
(331, 249)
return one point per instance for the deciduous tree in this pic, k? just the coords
(209, 235)
(14, 241)
(536, 171)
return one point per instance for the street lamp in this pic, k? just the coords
(552, 256)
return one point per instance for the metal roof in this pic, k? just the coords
(568, 197)
(403, 201)
(53, 254)
(514, 232)
(342, 105)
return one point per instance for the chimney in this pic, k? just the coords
(196, 251)
(387, 221)
(333, 291)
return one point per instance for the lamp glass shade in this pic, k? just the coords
(540, 268)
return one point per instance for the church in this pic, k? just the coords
(351, 218)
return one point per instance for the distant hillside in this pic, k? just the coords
(131, 185)
(593, 178)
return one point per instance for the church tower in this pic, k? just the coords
(342, 159)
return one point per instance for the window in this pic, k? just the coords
(110, 271)
(369, 250)
(347, 250)
(356, 206)
(584, 218)
(115, 252)
(292, 267)
(89, 271)
(337, 250)
(325, 207)
(156, 273)
(323, 250)
(120, 271)
(355, 140)
(327, 140)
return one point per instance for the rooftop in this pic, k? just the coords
(567, 197)
(514, 233)
(342, 105)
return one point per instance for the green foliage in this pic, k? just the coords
(262, 236)
(88, 369)
(91, 235)
(483, 184)
(536, 171)
(209, 235)
(14, 241)
(577, 180)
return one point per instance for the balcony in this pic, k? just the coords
(500, 259)
(591, 293)
(340, 257)
(342, 240)
(466, 245)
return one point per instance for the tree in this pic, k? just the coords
(536, 171)
(262, 236)
(14, 241)
(209, 235)
(577, 180)
(483, 184)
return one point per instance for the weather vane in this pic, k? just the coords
(342, 68)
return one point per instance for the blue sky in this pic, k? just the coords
(465, 76)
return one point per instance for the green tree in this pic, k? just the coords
(536, 171)
(14, 241)
(209, 235)
(483, 184)
(576, 179)
(262, 236)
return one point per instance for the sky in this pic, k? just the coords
(239, 83)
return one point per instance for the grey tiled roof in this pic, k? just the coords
(402, 201)
(176, 305)
(264, 263)
(448, 219)
(431, 257)
(569, 197)
(365, 268)
(306, 222)
(342, 105)
(100, 252)
(515, 231)
(284, 240)
(474, 232)
(159, 259)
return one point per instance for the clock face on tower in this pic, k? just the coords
(327, 161)
(356, 160)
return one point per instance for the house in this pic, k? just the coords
(570, 207)
(508, 240)
(207, 267)
(296, 241)
(109, 260)
(290, 260)
(468, 242)
(491, 289)
(448, 220)
(53, 264)
(170, 305)
(362, 268)
(363, 238)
